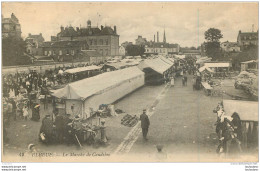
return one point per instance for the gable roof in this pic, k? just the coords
(92, 31)
(88, 87)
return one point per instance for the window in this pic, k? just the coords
(101, 52)
(50, 52)
(68, 52)
(72, 52)
(106, 42)
(90, 41)
(95, 42)
(45, 52)
(101, 41)
(60, 52)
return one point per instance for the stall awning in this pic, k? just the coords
(87, 87)
(217, 64)
(81, 69)
(156, 64)
(247, 110)
(205, 68)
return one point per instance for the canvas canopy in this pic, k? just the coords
(156, 64)
(81, 69)
(94, 85)
(203, 60)
(166, 61)
(205, 68)
(247, 110)
(217, 64)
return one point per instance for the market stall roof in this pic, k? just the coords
(166, 60)
(247, 62)
(171, 59)
(117, 65)
(247, 110)
(81, 69)
(203, 60)
(179, 56)
(94, 85)
(205, 68)
(156, 64)
(217, 64)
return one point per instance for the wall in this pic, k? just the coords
(77, 107)
(112, 49)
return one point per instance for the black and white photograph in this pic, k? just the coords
(130, 81)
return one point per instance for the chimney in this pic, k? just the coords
(154, 38)
(115, 29)
(61, 28)
(102, 27)
(157, 36)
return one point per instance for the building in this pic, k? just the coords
(121, 51)
(11, 26)
(104, 40)
(162, 48)
(33, 44)
(140, 41)
(246, 39)
(230, 46)
(64, 50)
(249, 65)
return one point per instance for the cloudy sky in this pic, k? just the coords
(184, 23)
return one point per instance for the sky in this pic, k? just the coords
(184, 22)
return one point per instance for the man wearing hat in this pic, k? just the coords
(145, 123)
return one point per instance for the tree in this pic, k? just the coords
(135, 50)
(13, 49)
(212, 44)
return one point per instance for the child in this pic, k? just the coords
(25, 113)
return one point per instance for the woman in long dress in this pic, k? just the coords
(172, 81)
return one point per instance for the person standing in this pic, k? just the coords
(59, 123)
(145, 123)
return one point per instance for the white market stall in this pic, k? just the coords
(155, 70)
(84, 95)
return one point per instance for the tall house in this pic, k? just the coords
(34, 43)
(245, 39)
(11, 26)
(104, 40)
(140, 40)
